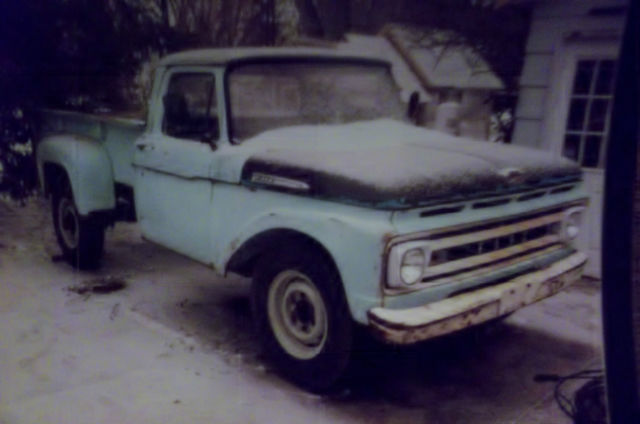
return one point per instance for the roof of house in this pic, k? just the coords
(425, 67)
(226, 55)
(440, 63)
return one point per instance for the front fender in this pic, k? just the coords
(87, 165)
(354, 237)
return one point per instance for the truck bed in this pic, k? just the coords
(115, 131)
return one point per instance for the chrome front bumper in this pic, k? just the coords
(406, 326)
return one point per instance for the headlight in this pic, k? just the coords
(407, 262)
(412, 266)
(572, 222)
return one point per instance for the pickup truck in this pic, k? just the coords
(298, 168)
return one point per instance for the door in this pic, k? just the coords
(173, 190)
(583, 128)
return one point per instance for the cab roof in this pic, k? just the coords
(225, 56)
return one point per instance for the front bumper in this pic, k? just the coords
(406, 326)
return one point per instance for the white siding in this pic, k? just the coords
(553, 23)
(527, 132)
(531, 101)
(561, 33)
(536, 70)
(591, 238)
(546, 35)
(567, 8)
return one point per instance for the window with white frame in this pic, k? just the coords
(589, 114)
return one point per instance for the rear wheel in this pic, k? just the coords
(302, 316)
(80, 238)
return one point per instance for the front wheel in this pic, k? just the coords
(302, 317)
(80, 238)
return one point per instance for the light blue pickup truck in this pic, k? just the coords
(298, 168)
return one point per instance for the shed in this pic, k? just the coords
(458, 79)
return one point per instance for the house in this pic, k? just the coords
(566, 89)
(454, 83)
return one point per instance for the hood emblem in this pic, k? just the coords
(512, 175)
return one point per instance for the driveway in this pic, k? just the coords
(175, 344)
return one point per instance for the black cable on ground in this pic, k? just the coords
(588, 403)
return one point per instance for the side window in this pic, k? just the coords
(589, 112)
(190, 107)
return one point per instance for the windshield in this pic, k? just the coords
(266, 96)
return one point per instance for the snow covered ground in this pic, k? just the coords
(176, 345)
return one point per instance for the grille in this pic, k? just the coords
(486, 246)
(491, 246)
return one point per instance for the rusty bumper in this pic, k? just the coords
(406, 326)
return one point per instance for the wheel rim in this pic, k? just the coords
(297, 314)
(68, 222)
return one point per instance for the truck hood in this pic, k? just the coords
(392, 165)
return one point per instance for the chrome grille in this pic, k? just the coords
(486, 246)
(490, 245)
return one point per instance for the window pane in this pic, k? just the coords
(604, 82)
(189, 107)
(591, 151)
(584, 75)
(571, 146)
(589, 109)
(597, 114)
(576, 114)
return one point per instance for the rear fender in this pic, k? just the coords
(87, 165)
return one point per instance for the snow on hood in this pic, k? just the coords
(387, 163)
